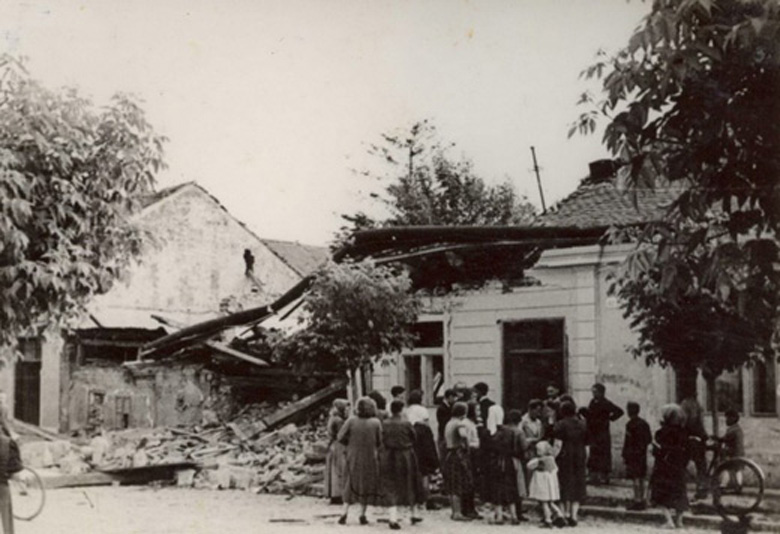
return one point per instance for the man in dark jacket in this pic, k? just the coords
(601, 411)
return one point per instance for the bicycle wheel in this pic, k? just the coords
(737, 487)
(27, 494)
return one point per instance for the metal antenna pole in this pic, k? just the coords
(538, 181)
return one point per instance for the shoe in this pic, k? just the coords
(363, 520)
(522, 518)
(559, 522)
(571, 522)
(416, 520)
(459, 517)
(336, 500)
(343, 519)
(394, 526)
(546, 524)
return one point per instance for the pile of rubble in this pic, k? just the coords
(240, 454)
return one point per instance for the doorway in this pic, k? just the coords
(27, 382)
(534, 356)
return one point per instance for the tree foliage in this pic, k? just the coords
(692, 103)
(354, 314)
(424, 185)
(70, 173)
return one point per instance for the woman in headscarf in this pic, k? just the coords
(362, 436)
(667, 483)
(336, 460)
(424, 444)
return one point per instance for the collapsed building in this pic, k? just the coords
(204, 264)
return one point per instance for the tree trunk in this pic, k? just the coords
(712, 402)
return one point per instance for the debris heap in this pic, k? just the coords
(241, 453)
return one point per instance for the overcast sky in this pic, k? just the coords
(270, 104)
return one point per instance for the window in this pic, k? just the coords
(728, 392)
(763, 375)
(423, 366)
(123, 410)
(30, 348)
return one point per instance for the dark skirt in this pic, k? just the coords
(401, 480)
(667, 486)
(502, 480)
(425, 449)
(458, 479)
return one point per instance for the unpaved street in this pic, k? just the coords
(132, 510)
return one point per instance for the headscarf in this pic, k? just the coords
(340, 408)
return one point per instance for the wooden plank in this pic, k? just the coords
(279, 416)
(215, 345)
(224, 349)
(80, 480)
(22, 427)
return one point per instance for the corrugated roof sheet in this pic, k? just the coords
(605, 204)
(303, 259)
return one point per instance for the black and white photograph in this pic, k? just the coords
(440, 266)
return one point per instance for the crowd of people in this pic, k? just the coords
(386, 457)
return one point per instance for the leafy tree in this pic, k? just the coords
(354, 314)
(69, 176)
(423, 185)
(691, 104)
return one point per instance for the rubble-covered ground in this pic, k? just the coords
(240, 453)
(149, 510)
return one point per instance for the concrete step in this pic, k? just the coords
(620, 491)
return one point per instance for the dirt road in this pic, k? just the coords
(136, 510)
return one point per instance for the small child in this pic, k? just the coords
(544, 484)
(733, 447)
(638, 438)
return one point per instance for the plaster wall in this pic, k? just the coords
(197, 263)
(161, 396)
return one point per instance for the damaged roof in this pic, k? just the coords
(303, 259)
(604, 204)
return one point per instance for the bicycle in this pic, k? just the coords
(27, 494)
(736, 484)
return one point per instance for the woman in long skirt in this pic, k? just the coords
(458, 480)
(362, 436)
(671, 451)
(571, 434)
(336, 460)
(502, 475)
(401, 481)
(425, 443)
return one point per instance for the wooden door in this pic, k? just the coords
(27, 398)
(534, 356)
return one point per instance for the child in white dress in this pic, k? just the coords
(544, 484)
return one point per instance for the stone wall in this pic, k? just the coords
(162, 395)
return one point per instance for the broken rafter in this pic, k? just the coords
(224, 349)
(189, 334)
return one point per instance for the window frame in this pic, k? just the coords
(429, 400)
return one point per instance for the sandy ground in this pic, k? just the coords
(131, 510)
